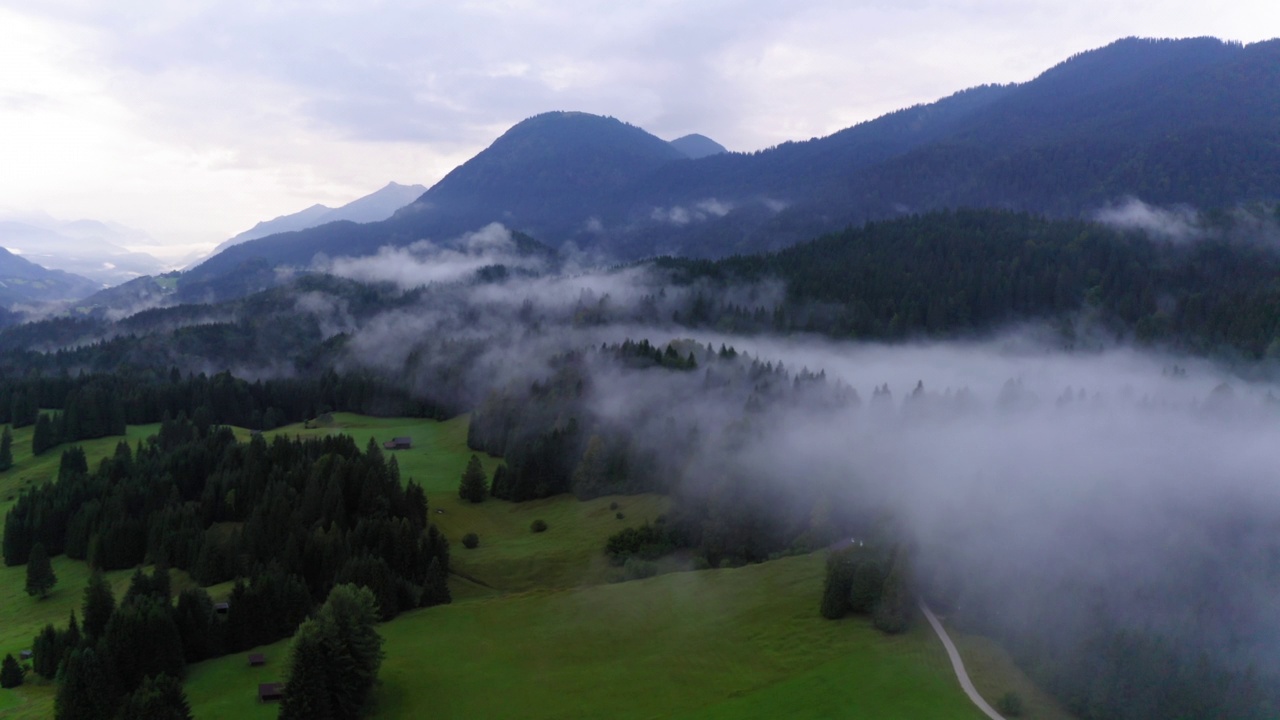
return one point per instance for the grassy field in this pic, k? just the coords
(439, 453)
(537, 630)
(21, 616)
(745, 642)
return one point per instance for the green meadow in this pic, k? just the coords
(540, 628)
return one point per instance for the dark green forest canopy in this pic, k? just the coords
(965, 272)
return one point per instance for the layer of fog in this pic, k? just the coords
(1121, 473)
(425, 262)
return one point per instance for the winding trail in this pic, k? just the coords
(958, 665)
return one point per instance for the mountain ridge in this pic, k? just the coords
(22, 281)
(1169, 121)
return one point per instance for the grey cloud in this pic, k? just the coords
(1178, 224)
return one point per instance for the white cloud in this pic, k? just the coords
(1178, 224)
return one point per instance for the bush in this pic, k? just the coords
(613, 505)
(1010, 704)
(648, 542)
(619, 515)
(470, 541)
(539, 525)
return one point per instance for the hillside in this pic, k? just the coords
(88, 248)
(22, 281)
(1171, 122)
(373, 207)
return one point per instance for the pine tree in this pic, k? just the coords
(46, 653)
(474, 483)
(142, 639)
(498, 488)
(159, 697)
(891, 612)
(99, 604)
(334, 658)
(835, 591)
(868, 581)
(10, 672)
(307, 693)
(40, 577)
(86, 689)
(6, 449)
(435, 588)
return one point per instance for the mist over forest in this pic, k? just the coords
(1013, 356)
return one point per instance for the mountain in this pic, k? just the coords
(544, 170)
(22, 281)
(375, 206)
(89, 248)
(1168, 121)
(697, 146)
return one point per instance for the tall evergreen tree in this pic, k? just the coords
(474, 484)
(46, 652)
(839, 580)
(892, 612)
(10, 672)
(159, 697)
(334, 659)
(87, 689)
(435, 588)
(45, 435)
(40, 577)
(141, 639)
(6, 449)
(99, 604)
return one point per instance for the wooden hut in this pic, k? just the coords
(270, 692)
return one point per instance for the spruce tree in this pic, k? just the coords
(6, 449)
(99, 604)
(334, 658)
(46, 653)
(10, 672)
(40, 577)
(868, 582)
(159, 697)
(498, 488)
(474, 485)
(435, 588)
(839, 580)
(892, 611)
(45, 435)
(87, 688)
(142, 639)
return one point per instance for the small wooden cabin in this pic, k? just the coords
(221, 608)
(257, 660)
(400, 443)
(270, 692)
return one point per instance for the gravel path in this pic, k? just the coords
(958, 665)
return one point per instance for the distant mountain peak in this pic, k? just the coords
(378, 205)
(697, 146)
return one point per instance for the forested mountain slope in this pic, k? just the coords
(1168, 121)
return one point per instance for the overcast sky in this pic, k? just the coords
(193, 120)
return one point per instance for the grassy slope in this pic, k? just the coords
(21, 616)
(510, 557)
(745, 642)
(439, 453)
